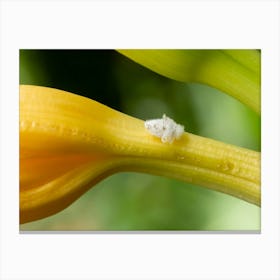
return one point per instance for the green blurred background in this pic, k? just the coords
(134, 201)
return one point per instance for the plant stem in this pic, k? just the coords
(68, 143)
(202, 161)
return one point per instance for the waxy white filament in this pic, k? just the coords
(165, 128)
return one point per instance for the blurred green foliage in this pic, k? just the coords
(132, 201)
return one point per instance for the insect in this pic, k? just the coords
(165, 128)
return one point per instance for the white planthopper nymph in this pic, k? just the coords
(165, 129)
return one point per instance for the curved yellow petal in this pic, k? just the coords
(55, 195)
(68, 143)
(235, 72)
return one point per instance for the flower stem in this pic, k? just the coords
(68, 143)
(202, 161)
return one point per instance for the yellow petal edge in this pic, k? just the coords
(68, 143)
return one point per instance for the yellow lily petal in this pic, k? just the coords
(68, 143)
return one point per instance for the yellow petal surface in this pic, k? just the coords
(68, 143)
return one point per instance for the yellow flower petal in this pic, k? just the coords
(68, 143)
